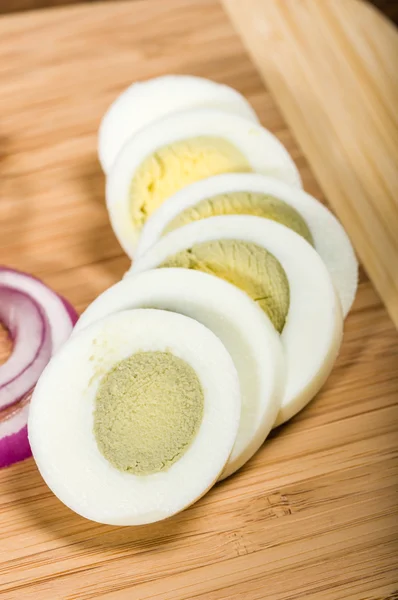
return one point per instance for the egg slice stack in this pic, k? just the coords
(226, 325)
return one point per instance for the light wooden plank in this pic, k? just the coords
(331, 67)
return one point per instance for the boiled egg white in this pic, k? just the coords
(329, 237)
(63, 412)
(146, 101)
(239, 323)
(312, 332)
(180, 149)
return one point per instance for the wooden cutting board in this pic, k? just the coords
(314, 514)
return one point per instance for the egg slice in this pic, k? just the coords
(180, 149)
(146, 101)
(135, 417)
(302, 300)
(251, 193)
(238, 322)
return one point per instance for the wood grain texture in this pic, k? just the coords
(332, 67)
(314, 514)
(387, 7)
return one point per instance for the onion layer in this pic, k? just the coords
(29, 329)
(14, 443)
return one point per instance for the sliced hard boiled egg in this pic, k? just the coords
(135, 417)
(283, 274)
(180, 149)
(258, 195)
(146, 101)
(240, 324)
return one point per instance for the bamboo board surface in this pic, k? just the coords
(332, 66)
(313, 514)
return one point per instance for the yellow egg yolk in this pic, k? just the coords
(177, 165)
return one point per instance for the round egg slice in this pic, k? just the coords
(238, 322)
(146, 101)
(258, 195)
(283, 274)
(180, 149)
(135, 417)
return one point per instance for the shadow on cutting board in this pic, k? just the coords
(41, 511)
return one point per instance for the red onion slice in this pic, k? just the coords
(30, 332)
(39, 322)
